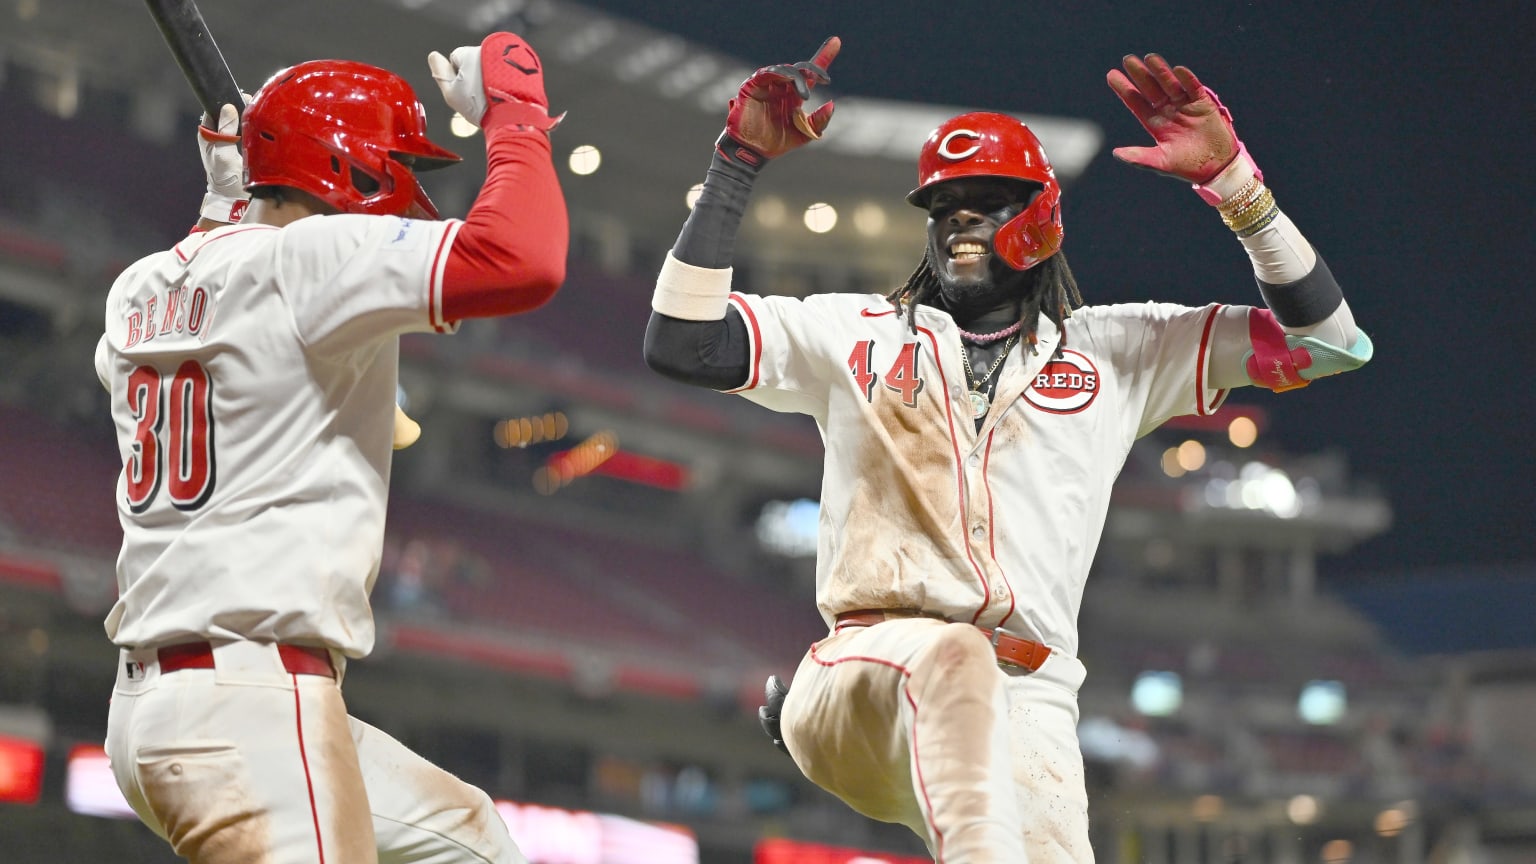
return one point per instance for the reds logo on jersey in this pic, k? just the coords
(1064, 385)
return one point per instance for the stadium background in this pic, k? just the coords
(1314, 648)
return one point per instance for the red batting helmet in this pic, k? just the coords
(984, 144)
(348, 133)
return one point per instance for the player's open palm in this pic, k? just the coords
(1192, 129)
(768, 113)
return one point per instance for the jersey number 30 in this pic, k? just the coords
(174, 440)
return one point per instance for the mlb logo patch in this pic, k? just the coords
(135, 671)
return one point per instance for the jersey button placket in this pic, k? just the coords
(976, 496)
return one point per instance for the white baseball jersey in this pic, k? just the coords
(252, 373)
(919, 510)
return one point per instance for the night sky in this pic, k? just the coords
(1396, 137)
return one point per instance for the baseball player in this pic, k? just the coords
(975, 420)
(252, 371)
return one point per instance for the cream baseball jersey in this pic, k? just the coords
(919, 510)
(252, 373)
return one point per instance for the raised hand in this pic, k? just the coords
(218, 143)
(458, 77)
(499, 81)
(1193, 130)
(768, 114)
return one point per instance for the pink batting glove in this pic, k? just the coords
(1193, 130)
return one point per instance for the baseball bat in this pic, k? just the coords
(186, 34)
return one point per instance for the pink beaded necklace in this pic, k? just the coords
(989, 338)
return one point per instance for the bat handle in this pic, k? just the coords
(182, 26)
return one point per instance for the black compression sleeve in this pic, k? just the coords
(1307, 301)
(713, 354)
(708, 238)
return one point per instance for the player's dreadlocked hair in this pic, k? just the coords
(1054, 292)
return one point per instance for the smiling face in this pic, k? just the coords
(963, 216)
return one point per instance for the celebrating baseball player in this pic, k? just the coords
(252, 371)
(975, 420)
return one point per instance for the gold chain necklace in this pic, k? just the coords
(980, 401)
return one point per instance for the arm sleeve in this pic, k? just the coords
(713, 354)
(702, 341)
(708, 238)
(1297, 285)
(1310, 305)
(1294, 282)
(509, 255)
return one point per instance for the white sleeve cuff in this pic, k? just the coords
(1279, 253)
(691, 293)
(1230, 181)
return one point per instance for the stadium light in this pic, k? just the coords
(585, 159)
(821, 217)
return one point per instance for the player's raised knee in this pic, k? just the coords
(958, 646)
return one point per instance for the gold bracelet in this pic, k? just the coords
(1236, 214)
(1249, 214)
(1242, 198)
(1255, 218)
(1258, 224)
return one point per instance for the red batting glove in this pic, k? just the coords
(767, 116)
(513, 77)
(1193, 130)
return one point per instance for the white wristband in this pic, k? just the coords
(691, 293)
(1230, 181)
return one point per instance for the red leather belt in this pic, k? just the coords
(297, 659)
(1010, 650)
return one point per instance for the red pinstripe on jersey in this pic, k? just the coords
(1201, 406)
(757, 342)
(954, 443)
(986, 482)
(435, 279)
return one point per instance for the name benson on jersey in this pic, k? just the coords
(1065, 385)
(181, 310)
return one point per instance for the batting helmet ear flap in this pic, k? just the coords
(1034, 235)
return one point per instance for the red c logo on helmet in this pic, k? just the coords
(945, 145)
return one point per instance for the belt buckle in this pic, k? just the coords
(997, 638)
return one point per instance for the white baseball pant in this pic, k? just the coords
(912, 721)
(248, 763)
